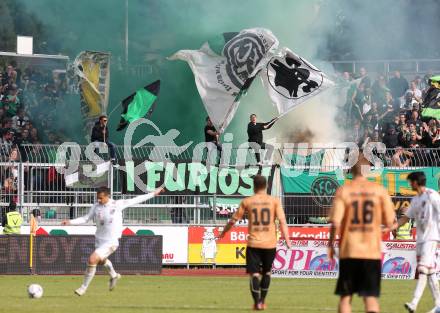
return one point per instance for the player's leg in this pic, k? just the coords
(108, 265)
(253, 262)
(344, 305)
(264, 287)
(93, 261)
(371, 304)
(430, 250)
(255, 279)
(267, 261)
(369, 284)
(104, 252)
(420, 287)
(434, 287)
(345, 285)
(422, 273)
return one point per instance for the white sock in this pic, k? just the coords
(109, 267)
(420, 287)
(434, 287)
(88, 276)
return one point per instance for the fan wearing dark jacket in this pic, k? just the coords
(255, 136)
(100, 134)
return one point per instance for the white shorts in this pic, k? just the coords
(104, 249)
(427, 254)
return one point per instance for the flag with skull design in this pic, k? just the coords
(224, 69)
(290, 80)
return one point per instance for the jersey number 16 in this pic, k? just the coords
(367, 212)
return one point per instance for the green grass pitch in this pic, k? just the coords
(188, 294)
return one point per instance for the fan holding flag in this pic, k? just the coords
(225, 67)
(100, 133)
(255, 137)
(138, 105)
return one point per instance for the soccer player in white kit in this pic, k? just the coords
(108, 217)
(425, 209)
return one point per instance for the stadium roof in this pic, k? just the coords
(45, 60)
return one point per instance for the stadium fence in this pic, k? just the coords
(34, 182)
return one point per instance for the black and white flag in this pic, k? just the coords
(223, 69)
(290, 80)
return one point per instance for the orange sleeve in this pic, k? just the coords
(238, 215)
(388, 213)
(338, 208)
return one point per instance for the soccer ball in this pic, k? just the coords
(35, 291)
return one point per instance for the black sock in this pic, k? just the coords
(264, 285)
(255, 289)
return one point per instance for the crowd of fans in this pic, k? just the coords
(389, 110)
(29, 98)
(386, 109)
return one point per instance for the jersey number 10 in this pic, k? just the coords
(367, 212)
(263, 219)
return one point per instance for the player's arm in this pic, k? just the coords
(279, 214)
(234, 219)
(334, 229)
(335, 218)
(406, 216)
(123, 204)
(388, 213)
(435, 198)
(80, 220)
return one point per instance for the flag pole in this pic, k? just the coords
(126, 33)
(31, 252)
(114, 109)
(284, 113)
(32, 232)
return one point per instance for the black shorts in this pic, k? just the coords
(359, 276)
(259, 260)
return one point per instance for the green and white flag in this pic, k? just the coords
(139, 104)
(224, 68)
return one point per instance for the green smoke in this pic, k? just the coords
(158, 28)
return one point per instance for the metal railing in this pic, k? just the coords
(321, 158)
(35, 182)
(200, 210)
(306, 209)
(409, 66)
(164, 209)
(407, 158)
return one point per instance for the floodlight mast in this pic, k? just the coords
(126, 32)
